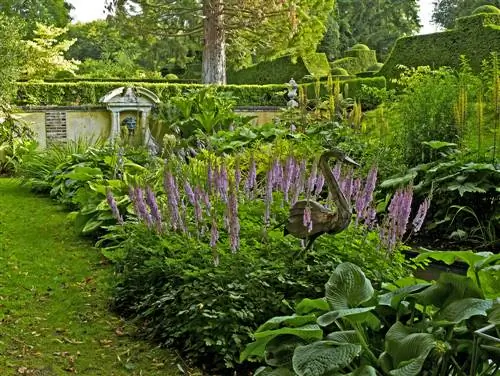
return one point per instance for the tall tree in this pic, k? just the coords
(376, 23)
(50, 12)
(245, 30)
(447, 11)
(12, 53)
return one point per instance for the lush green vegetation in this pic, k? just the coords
(212, 235)
(55, 298)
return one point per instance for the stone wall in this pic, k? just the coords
(55, 124)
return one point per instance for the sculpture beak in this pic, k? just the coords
(351, 161)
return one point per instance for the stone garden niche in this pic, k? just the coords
(130, 109)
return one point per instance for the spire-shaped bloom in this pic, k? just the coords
(234, 223)
(214, 237)
(364, 200)
(313, 177)
(189, 192)
(114, 207)
(288, 175)
(419, 219)
(299, 179)
(320, 182)
(397, 217)
(140, 205)
(251, 181)
(268, 195)
(346, 185)
(173, 200)
(198, 199)
(153, 206)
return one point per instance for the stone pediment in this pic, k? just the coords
(131, 97)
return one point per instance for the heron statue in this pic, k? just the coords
(324, 221)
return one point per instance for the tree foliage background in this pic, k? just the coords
(447, 11)
(376, 23)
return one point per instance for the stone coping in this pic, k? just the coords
(104, 108)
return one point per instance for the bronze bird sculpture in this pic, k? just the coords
(324, 221)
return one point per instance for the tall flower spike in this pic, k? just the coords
(114, 207)
(251, 181)
(140, 204)
(313, 177)
(419, 219)
(155, 210)
(364, 200)
(234, 223)
(289, 173)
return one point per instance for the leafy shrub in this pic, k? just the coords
(410, 327)
(486, 9)
(360, 46)
(339, 72)
(16, 141)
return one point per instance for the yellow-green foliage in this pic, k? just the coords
(486, 9)
(475, 36)
(358, 59)
(88, 93)
(350, 88)
(281, 70)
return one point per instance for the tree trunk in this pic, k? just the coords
(214, 43)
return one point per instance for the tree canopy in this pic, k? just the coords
(375, 23)
(11, 55)
(252, 30)
(447, 11)
(50, 12)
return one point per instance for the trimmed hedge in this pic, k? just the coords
(358, 59)
(350, 64)
(281, 70)
(85, 93)
(475, 37)
(366, 57)
(351, 88)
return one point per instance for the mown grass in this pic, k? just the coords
(54, 318)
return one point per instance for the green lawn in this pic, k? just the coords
(53, 299)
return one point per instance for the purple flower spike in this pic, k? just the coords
(234, 223)
(269, 195)
(365, 198)
(198, 198)
(189, 192)
(418, 221)
(336, 171)
(153, 206)
(140, 204)
(288, 175)
(313, 177)
(397, 218)
(173, 200)
(346, 185)
(320, 182)
(114, 207)
(299, 179)
(252, 177)
(223, 183)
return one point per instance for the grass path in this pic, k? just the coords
(53, 302)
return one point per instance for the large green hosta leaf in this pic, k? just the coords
(407, 348)
(258, 348)
(268, 371)
(310, 305)
(324, 356)
(464, 309)
(393, 298)
(448, 288)
(347, 287)
(292, 321)
(344, 336)
(329, 317)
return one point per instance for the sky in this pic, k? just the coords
(88, 10)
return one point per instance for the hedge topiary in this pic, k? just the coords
(89, 93)
(360, 46)
(351, 88)
(486, 9)
(337, 71)
(350, 64)
(375, 67)
(281, 70)
(476, 37)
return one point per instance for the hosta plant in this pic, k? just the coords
(409, 327)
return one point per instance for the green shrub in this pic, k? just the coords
(375, 67)
(351, 88)
(351, 64)
(486, 9)
(78, 93)
(475, 37)
(360, 46)
(339, 72)
(366, 58)
(281, 70)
